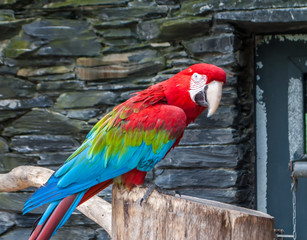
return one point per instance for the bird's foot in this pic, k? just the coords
(152, 187)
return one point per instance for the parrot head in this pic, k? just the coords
(196, 88)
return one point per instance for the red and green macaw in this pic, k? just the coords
(127, 143)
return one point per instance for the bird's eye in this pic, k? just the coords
(196, 76)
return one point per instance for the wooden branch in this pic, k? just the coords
(161, 217)
(97, 209)
(168, 217)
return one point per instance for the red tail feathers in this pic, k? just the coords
(46, 230)
(94, 190)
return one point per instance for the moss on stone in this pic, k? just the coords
(79, 3)
(17, 47)
(185, 27)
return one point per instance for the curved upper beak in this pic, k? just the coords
(210, 96)
(214, 95)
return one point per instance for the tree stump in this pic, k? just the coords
(167, 217)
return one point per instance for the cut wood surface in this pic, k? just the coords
(161, 216)
(168, 217)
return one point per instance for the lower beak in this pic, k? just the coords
(210, 96)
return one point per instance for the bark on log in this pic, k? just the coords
(97, 209)
(161, 217)
(167, 217)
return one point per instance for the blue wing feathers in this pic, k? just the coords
(87, 167)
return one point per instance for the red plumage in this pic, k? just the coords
(167, 108)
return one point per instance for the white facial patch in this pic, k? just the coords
(197, 84)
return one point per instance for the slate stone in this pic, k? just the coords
(149, 30)
(83, 114)
(222, 60)
(119, 71)
(39, 63)
(75, 233)
(54, 77)
(267, 21)
(172, 29)
(38, 143)
(210, 178)
(86, 99)
(54, 37)
(78, 219)
(228, 195)
(209, 136)
(14, 202)
(223, 28)
(127, 13)
(117, 85)
(12, 87)
(62, 233)
(9, 26)
(161, 77)
(6, 221)
(6, 15)
(5, 70)
(141, 56)
(83, 46)
(52, 29)
(5, 2)
(213, 156)
(21, 104)
(225, 116)
(4, 147)
(106, 193)
(229, 96)
(265, 16)
(126, 95)
(117, 33)
(6, 115)
(52, 158)
(181, 62)
(119, 45)
(32, 72)
(59, 86)
(41, 121)
(225, 43)
(199, 7)
(19, 233)
(97, 24)
(78, 3)
(25, 221)
(166, 2)
(21, 45)
(101, 234)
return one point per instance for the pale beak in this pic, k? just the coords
(214, 95)
(210, 96)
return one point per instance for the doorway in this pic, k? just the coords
(281, 67)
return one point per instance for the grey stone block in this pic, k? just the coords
(41, 121)
(40, 143)
(213, 156)
(22, 104)
(209, 178)
(209, 136)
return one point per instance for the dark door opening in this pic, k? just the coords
(281, 67)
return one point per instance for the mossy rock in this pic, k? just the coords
(80, 3)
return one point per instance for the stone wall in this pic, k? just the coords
(63, 64)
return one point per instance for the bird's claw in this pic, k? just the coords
(152, 187)
(148, 192)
